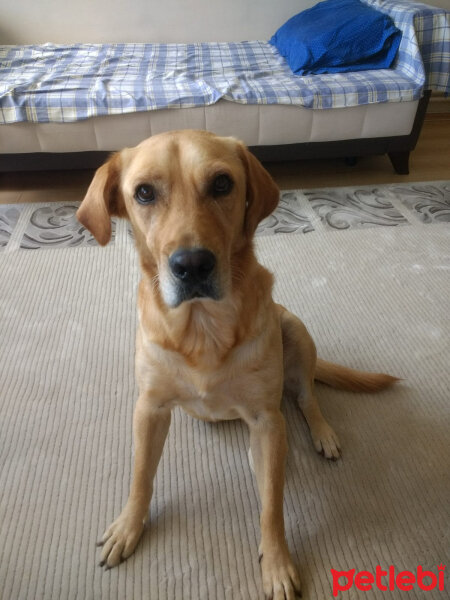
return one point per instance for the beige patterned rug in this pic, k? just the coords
(374, 297)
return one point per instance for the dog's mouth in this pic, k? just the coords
(186, 293)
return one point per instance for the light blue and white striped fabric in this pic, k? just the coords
(54, 83)
(424, 53)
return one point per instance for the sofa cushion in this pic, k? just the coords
(337, 36)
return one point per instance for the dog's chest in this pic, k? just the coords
(208, 408)
(214, 390)
(211, 394)
(210, 397)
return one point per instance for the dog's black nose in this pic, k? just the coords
(192, 265)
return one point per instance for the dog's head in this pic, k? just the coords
(194, 200)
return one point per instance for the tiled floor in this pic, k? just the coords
(33, 226)
(303, 211)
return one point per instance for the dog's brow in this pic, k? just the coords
(218, 168)
(148, 175)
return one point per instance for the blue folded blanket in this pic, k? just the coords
(338, 36)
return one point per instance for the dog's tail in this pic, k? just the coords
(351, 380)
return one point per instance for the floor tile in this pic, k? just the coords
(350, 208)
(429, 202)
(9, 215)
(288, 217)
(56, 226)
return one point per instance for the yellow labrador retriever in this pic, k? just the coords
(210, 337)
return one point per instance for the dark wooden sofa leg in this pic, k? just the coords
(400, 162)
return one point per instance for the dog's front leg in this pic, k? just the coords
(150, 426)
(269, 448)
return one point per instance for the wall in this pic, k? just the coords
(67, 21)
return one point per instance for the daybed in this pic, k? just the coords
(66, 106)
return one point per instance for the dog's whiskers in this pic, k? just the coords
(155, 282)
(238, 275)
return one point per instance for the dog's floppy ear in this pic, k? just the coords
(263, 193)
(103, 200)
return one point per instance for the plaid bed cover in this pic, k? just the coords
(56, 83)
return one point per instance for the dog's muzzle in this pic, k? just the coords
(194, 272)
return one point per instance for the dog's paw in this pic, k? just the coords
(280, 577)
(325, 441)
(120, 539)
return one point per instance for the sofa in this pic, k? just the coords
(378, 112)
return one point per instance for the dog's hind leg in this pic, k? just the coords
(299, 357)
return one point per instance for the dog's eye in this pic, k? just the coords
(222, 185)
(144, 194)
